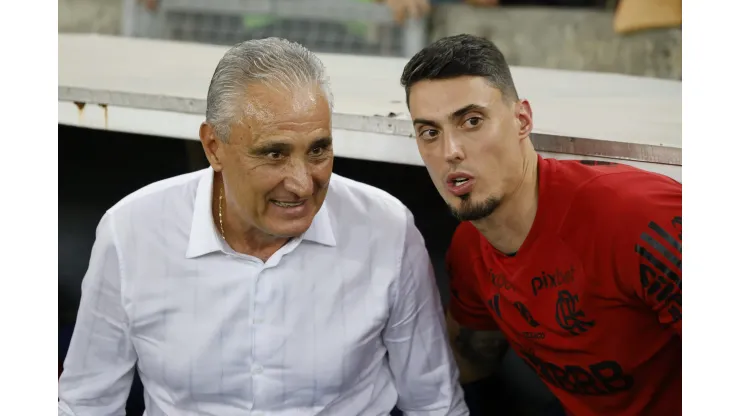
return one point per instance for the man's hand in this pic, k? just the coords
(408, 9)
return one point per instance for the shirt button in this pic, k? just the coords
(256, 413)
(249, 406)
(257, 369)
(258, 321)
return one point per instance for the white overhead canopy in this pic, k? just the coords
(159, 88)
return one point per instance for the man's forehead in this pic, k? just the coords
(265, 123)
(282, 104)
(283, 133)
(443, 98)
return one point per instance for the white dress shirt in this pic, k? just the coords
(345, 320)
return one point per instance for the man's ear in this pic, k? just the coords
(212, 146)
(524, 116)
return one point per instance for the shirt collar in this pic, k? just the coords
(205, 238)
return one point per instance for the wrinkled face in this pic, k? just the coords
(278, 161)
(471, 140)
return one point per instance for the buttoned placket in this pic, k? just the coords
(259, 287)
(255, 317)
(255, 267)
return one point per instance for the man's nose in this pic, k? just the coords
(453, 150)
(298, 179)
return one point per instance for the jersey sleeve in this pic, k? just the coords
(466, 305)
(648, 248)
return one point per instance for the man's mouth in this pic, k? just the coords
(460, 184)
(286, 204)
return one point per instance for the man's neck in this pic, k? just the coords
(507, 228)
(242, 238)
(253, 242)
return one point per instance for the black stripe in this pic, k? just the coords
(676, 298)
(654, 287)
(675, 312)
(669, 238)
(642, 251)
(660, 248)
(667, 290)
(647, 275)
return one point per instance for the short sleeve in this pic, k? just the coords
(648, 248)
(463, 258)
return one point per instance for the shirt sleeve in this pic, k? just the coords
(99, 367)
(419, 355)
(649, 246)
(466, 305)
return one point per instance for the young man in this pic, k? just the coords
(577, 265)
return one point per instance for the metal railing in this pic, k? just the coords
(330, 26)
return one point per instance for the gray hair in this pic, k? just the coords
(272, 61)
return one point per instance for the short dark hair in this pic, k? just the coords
(457, 56)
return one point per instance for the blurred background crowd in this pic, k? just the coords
(638, 37)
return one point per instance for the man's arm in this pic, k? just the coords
(649, 250)
(98, 369)
(420, 359)
(475, 338)
(478, 353)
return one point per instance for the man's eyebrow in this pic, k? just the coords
(425, 122)
(468, 108)
(269, 147)
(454, 115)
(322, 142)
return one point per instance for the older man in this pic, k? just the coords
(263, 284)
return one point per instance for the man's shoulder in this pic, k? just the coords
(574, 174)
(619, 194)
(626, 188)
(607, 187)
(369, 216)
(618, 180)
(149, 200)
(359, 201)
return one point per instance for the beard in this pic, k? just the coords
(474, 211)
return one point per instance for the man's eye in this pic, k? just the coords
(317, 151)
(473, 121)
(274, 155)
(428, 134)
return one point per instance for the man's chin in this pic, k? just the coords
(288, 228)
(471, 210)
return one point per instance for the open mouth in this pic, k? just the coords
(284, 204)
(459, 181)
(460, 184)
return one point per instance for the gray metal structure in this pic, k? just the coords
(328, 26)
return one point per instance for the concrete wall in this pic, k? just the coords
(90, 16)
(566, 39)
(538, 37)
